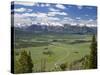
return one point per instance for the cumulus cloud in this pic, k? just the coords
(62, 13)
(53, 18)
(52, 9)
(78, 18)
(81, 22)
(44, 18)
(67, 20)
(19, 10)
(47, 4)
(57, 13)
(24, 19)
(79, 7)
(60, 6)
(43, 5)
(90, 20)
(22, 10)
(20, 20)
(31, 15)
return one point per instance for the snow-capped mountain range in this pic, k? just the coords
(58, 28)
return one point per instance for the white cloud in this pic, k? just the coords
(67, 20)
(47, 4)
(62, 13)
(29, 10)
(60, 6)
(24, 3)
(31, 15)
(52, 9)
(20, 20)
(51, 13)
(22, 10)
(78, 18)
(53, 18)
(90, 20)
(79, 7)
(89, 7)
(45, 18)
(57, 13)
(81, 22)
(24, 19)
(56, 24)
(19, 10)
(42, 15)
(43, 5)
(18, 16)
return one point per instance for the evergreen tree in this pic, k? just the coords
(93, 54)
(25, 62)
(30, 63)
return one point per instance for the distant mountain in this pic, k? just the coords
(66, 28)
(80, 29)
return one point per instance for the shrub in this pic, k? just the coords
(63, 66)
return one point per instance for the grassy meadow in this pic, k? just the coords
(55, 49)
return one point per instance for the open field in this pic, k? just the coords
(63, 48)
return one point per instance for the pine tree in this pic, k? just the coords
(93, 54)
(25, 62)
(30, 63)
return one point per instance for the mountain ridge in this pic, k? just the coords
(66, 28)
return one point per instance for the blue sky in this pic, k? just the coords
(55, 14)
